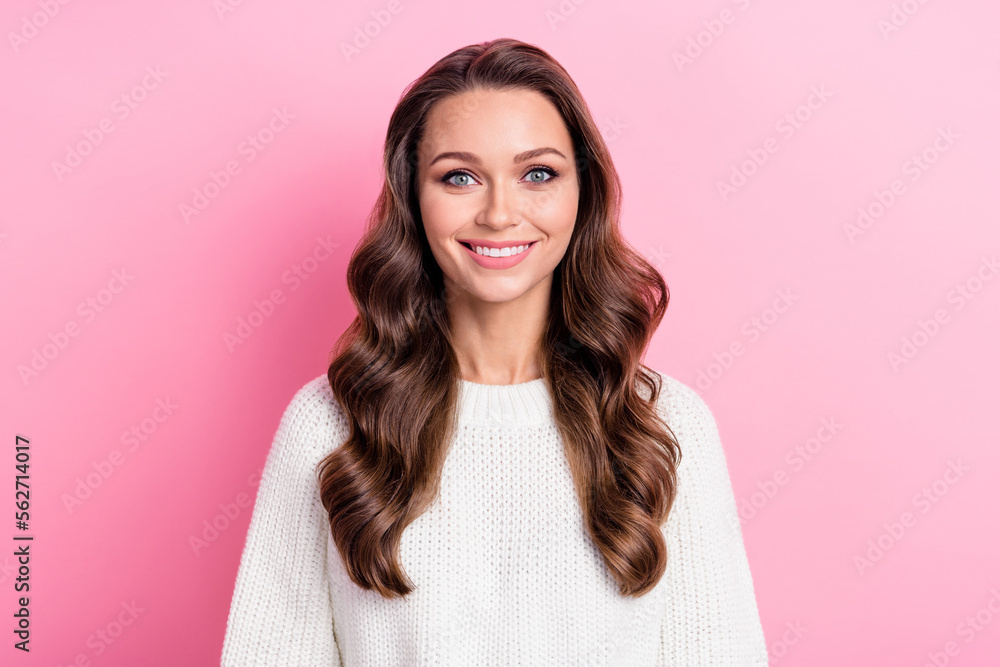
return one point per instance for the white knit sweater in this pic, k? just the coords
(504, 569)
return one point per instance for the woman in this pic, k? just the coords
(488, 475)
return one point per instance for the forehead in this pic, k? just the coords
(493, 124)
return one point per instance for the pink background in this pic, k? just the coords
(892, 78)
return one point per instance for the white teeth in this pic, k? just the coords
(501, 252)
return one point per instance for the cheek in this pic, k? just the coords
(434, 217)
(440, 210)
(437, 222)
(563, 215)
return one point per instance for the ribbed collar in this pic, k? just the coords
(504, 404)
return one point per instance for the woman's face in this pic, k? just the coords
(495, 167)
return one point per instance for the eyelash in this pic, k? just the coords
(454, 172)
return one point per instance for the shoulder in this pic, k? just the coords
(683, 408)
(703, 482)
(314, 401)
(313, 423)
(703, 466)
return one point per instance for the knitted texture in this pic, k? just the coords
(504, 569)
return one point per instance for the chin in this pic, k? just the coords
(495, 293)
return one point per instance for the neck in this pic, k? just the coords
(498, 342)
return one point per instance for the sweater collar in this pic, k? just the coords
(499, 405)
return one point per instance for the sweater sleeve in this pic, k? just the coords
(710, 617)
(281, 612)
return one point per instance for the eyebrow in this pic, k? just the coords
(474, 159)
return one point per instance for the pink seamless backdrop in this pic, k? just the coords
(850, 359)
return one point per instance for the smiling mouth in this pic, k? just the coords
(473, 248)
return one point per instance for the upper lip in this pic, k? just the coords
(494, 244)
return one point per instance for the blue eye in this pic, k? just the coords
(452, 174)
(455, 173)
(551, 172)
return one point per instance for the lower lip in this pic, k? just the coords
(488, 262)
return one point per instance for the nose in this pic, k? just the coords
(500, 209)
